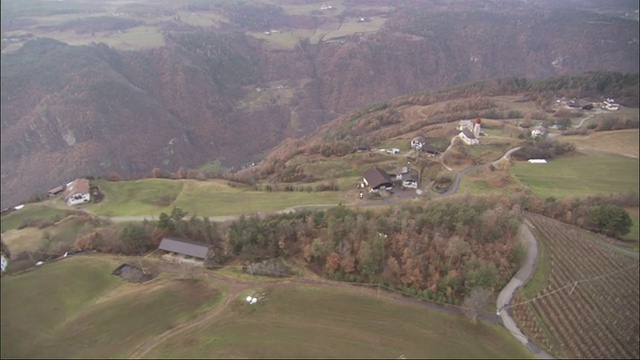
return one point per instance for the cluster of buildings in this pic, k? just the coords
(610, 104)
(376, 179)
(607, 104)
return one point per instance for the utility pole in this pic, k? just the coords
(142, 267)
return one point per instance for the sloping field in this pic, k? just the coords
(50, 238)
(76, 308)
(300, 321)
(203, 198)
(39, 211)
(580, 175)
(623, 142)
(587, 294)
(139, 197)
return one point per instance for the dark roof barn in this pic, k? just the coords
(376, 178)
(196, 250)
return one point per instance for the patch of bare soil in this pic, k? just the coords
(133, 274)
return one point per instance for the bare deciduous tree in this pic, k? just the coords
(476, 301)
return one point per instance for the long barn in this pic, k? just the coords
(186, 248)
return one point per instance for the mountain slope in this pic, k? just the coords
(225, 94)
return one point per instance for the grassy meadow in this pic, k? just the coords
(39, 211)
(203, 198)
(579, 175)
(57, 311)
(300, 321)
(50, 238)
(76, 308)
(622, 142)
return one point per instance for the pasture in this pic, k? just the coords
(622, 142)
(37, 211)
(587, 295)
(48, 239)
(284, 39)
(58, 311)
(76, 308)
(307, 321)
(579, 175)
(150, 197)
(482, 181)
(137, 197)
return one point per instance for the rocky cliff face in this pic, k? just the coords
(71, 111)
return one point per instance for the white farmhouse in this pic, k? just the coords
(77, 192)
(467, 136)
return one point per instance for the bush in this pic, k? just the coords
(270, 267)
(330, 187)
(609, 219)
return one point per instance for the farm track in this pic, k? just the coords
(234, 290)
(236, 286)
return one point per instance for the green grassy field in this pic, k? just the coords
(40, 211)
(218, 199)
(540, 278)
(284, 39)
(579, 175)
(58, 311)
(309, 322)
(139, 197)
(50, 238)
(483, 181)
(202, 198)
(351, 26)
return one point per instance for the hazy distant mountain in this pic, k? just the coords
(221, 93)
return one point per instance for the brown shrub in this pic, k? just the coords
(112, 176)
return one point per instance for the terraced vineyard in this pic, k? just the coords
(590, 305)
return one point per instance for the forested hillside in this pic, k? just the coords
(228, 92)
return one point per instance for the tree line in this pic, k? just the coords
(443, 250)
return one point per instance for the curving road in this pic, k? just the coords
(520, 279)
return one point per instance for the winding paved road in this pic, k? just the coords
(520, 279)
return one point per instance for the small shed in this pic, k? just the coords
(56, 190)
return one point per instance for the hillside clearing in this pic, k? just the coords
(150, 197)
(299, 321)
(623, 142)
(58, 311)
(39, 211)
(579, 175)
